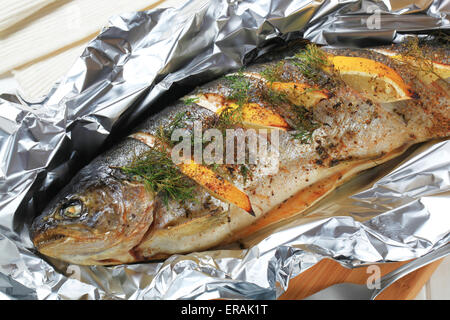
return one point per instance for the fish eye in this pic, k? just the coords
(72, 209)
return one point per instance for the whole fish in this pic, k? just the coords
(333, 112)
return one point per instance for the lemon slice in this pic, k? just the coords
(255, 116)
(442, 69)
(205, 177)
(429, 75)
(252, 115)
(428, 71)
(373, 79)
(300, 94)
(216, 185)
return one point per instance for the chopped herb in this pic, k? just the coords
(416, 58)
(437, 37)
(304, 125)
(245, 171)
(310, 61)
(274, 73)
(190, 101)
(214, 166)
(229, 117)
(274, 97)
(158, 173)
(303, 135)
(240, 87)
(164, 133)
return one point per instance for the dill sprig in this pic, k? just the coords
(245, 172)
(213, 166)
(310, 61)
(189, 101)
(229, 117)
(274, 73)
(240, 86)
(164, 133)
(416, 58)
(437, 37)
(274, 97)
(303, 135)
(304, 126)
(158, 173)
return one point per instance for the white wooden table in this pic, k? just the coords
(41, 39)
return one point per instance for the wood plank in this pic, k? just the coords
(328, 272)
(438, 285)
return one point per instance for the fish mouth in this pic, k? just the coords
(51, 244)
(41, 241)
(70, 245)
(50, 239)
(59, 239)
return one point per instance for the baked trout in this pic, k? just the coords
(332, 112)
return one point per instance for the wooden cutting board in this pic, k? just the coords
(328, 272)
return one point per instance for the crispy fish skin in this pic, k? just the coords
(104, 218)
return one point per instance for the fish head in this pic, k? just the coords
(96, 219)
